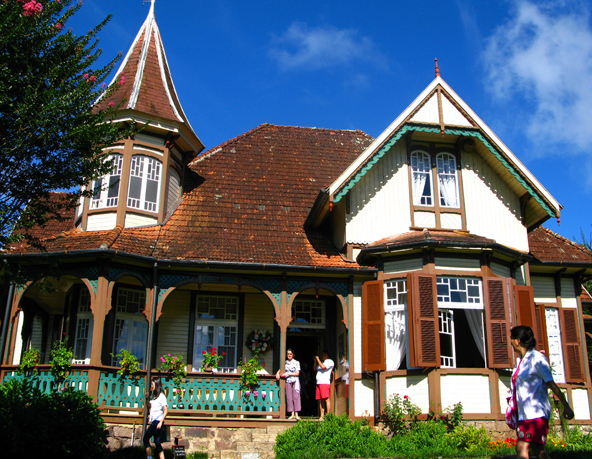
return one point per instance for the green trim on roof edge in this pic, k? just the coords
(357, 177)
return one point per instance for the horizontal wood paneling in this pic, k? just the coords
(500, 270)
(134, 220)
(174, 326)
(415, 386)
(544, 289)
(100, 222)
(568, 293)
(471, 390)
(364, 399)
(459, 264)
(259, 314)
(403, 266)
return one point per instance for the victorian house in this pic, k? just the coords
(408, 257)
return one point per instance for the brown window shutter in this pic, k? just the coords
(571, 346)
(373, 339)
(497, 313)
(424, 343)
(529, 314)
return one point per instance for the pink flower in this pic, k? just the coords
(85, 76)
(32, 8)
(175, 358)
(256, 393)
(406, 396)
(162, 358)
(122, 80)
(112, 104)
(248, 393)
(59, 26)
(92, 79)
(169, 355)
(263, 394)
(103, 85)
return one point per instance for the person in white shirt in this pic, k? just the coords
(324, 367)
(531, 380)
(158, 412)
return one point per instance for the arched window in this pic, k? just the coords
(422, 179)
(144, 184)
(447, 180)
(106, 188)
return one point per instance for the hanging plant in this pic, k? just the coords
(249, 379)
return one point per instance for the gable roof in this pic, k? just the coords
(550, 247)
(148, 86)
(245, 202)
(438, 109)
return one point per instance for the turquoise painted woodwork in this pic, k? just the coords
(121, 391)
(45, 381)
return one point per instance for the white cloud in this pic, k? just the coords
(542, 56)
(313, 48)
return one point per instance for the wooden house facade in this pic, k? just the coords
(422, 249)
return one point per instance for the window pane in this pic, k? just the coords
(447, 180)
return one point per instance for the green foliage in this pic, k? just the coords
(336, 436)
(174, 364)
(426, 439)
(61, 361)
(63, 424)
(128, 363)
(211, 358)
(249, 380)
(469, 438)
(29, 363)
(397, 410)
(51, 138)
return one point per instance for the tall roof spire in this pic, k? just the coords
(145, 77)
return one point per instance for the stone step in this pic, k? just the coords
(254, 447)
(264, 437)
(276, 429)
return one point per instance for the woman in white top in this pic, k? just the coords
(158, 412)
(531, 381)
(292, 373)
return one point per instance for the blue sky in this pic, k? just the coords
(525, 67)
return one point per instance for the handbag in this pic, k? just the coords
(512, 409)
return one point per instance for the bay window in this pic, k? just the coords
(106, 188)
(144, 186)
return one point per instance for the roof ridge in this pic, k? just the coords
(569, 241)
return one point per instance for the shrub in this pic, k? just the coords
(128, 363)
(29, 363)
(336, 436)
(396, 410)
(61, 361)
(469, 438)
(63, 424)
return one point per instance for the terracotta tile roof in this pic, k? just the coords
(54, 226)
(246, 201)
(426, 235)
(548, 246)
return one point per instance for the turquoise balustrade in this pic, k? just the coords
(121, 391)
(45, 381)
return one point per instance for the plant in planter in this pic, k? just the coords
(61, 361)
(249, 380)
(128, 363)
(29, 363)
(211, 359)
(174, 364)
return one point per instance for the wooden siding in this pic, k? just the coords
(379, 202)
(135, 220)
(37, 334)
(403, 266)
(492, 208)
(174, 327)
(452, 115)
(521, 275)
(259, 315)
(568, 294)
(544, 289)
(424, 219)
(100, 222)
(451, 221)
(504, 391)
(580, 403)
(472, 390)
(364, 400)
(500, 270)
(357, 312)
(174, 189)
(416, 387)
(428, 113)
(458, 264)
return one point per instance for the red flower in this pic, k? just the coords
(406, 396)
(223, 353)
(213, 349)
(204, 352)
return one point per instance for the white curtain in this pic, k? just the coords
(396, 338)
(475, 320)
(448, 189)
(419, 181)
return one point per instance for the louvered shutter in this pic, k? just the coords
(571, 346)
(424, 343)
(373, 339)
(497, 314)
(529, 314)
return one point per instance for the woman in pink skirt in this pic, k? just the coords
(292, 373)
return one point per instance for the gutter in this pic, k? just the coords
(167, 262)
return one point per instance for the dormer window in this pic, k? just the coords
(422, 178)
(106, 188)
(144, 183)
(447, 180)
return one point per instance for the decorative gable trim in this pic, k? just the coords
(464, 132)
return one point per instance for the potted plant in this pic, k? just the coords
(61, 362)
(128, 363)
(249, 379)
(211, 359)
(29, 363)
(174, 364)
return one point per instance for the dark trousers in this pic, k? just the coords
(153, 431)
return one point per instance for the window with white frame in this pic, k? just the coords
(395, 321)
(308, 313)
(84, 328)
(421, 167)
(460, 313)
(131, 327)
(216, 327)
(447, 180)
(106, 189)
(144, 186)
(555, 347)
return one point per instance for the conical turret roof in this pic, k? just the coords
(146, 82)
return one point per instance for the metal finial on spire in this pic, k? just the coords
(437, 69)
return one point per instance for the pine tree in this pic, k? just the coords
(52, 137)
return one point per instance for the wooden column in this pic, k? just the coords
(100, 306)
